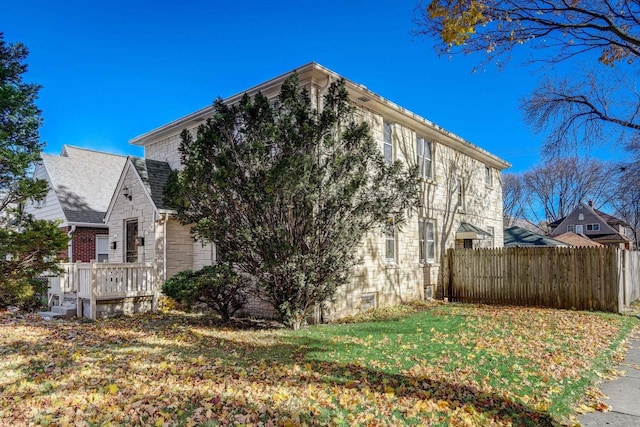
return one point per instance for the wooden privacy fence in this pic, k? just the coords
(603, 279)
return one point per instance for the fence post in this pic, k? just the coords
(92, 301)
(620, 279)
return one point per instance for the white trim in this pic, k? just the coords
(313, 72)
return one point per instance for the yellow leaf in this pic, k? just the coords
(160, 422)
(112, 388)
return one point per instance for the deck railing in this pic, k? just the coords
(103, 281)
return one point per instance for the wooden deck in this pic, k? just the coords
(90, 283)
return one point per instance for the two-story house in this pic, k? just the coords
(460, 200)
(594, 224)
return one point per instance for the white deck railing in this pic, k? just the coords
(102, 281)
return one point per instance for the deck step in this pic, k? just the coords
(65, 310)
(50, 315)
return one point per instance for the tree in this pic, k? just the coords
(581, 109)
(512, 198)
(287, 192)
(28, 246)
(555, 188)
(627, 200)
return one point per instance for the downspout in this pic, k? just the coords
(164, 246)
(72, 230)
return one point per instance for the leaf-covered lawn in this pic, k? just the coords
(444, 365)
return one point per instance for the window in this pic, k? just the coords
(390, 243)
(579, 229)
(388, 143)
(368, 301)
(492, 231)
(131, 232)
(487, 175)
(460, 191)
(427, 240)
(425, 157)
(102, 248)
(569, 228)
(593, 227)
(580, 217)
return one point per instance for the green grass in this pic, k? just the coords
(412, 365)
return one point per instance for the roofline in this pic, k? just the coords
(85, 224)
(64, 146)
(392, 110)
(128, 164)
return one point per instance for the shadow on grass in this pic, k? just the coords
(121, 345)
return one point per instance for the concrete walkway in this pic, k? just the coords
(623, 392)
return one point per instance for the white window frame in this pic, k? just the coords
(579, 229)
(387, 142)
(596, 227)
(427, 241)
(580, 217)
(570, 229)
(103, 237)
(460, 192)
(390, 244)
(424, 149)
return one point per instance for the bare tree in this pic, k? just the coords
(555, 188)
(627, 200)
(587, 105)
(513, 198)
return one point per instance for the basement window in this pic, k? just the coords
(368, 301)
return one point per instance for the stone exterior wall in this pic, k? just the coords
(141, 208)
(377, 282)
(179, 248)
(165, 150)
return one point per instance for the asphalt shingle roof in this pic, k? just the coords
(518, 237)
(84, 181)
(154, 174)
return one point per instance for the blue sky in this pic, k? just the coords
(114, 70)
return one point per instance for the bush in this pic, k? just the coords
(27, 294)
(217, 286)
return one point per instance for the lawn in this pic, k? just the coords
(438, 365)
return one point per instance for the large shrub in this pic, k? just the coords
(218, 286)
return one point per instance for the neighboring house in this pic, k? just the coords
(81, 183)
(577, 240)
(519, 237)
(460, 200)
(596, 225)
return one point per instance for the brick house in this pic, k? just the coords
(81, 183)
(460, 201)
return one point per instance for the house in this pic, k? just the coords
(460, 201)
(81, 183)
(519, 237)
(574, 239)
(596, 225)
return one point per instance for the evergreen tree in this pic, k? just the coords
(287, 192)
(27, 247)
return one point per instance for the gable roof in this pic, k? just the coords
(154, 175)
(576, 239)
(605, 233)
(518, 237)
(83, 181)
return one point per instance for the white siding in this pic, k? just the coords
(50, 208)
